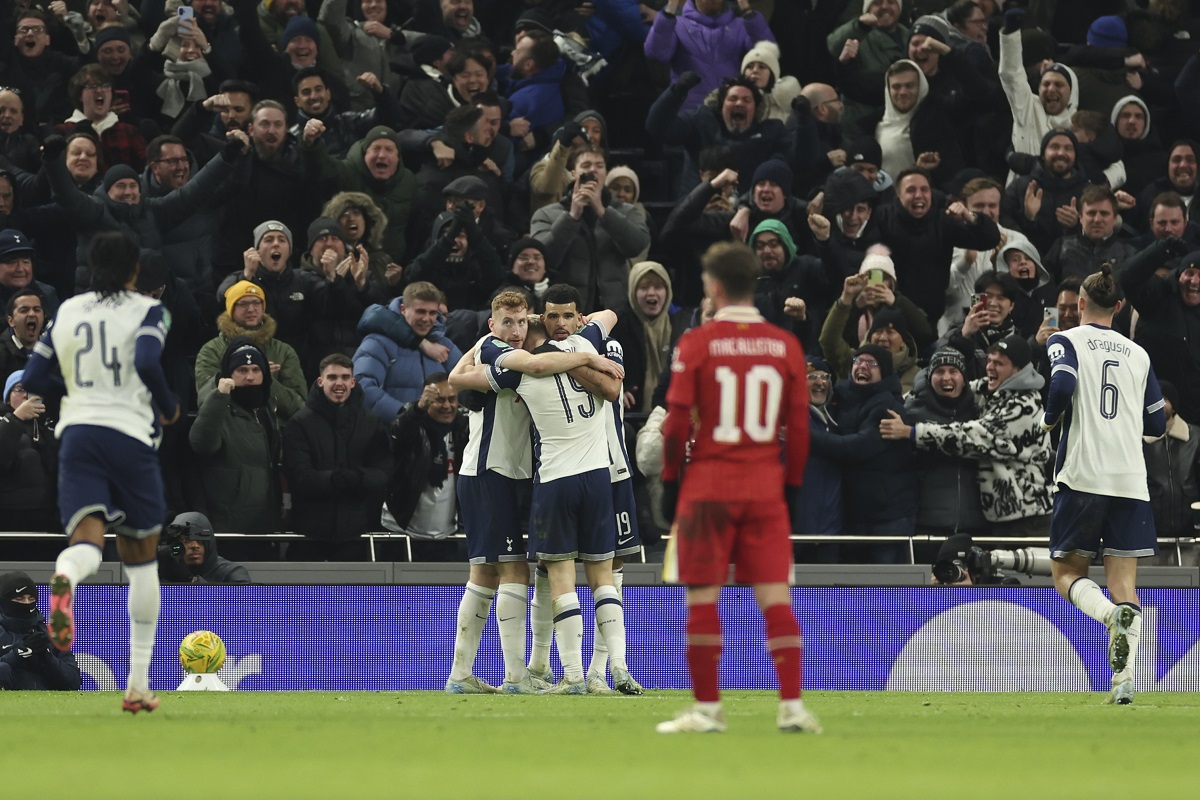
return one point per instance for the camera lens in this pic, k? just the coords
(947, 572)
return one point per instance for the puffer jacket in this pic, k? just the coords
(1009, 443)
(288, 386)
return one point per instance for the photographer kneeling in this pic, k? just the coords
(188, 554)
(961, 562)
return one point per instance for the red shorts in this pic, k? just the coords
(711, 534)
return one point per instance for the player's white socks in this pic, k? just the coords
(143, 606)
(541, 623)
(610, 622)
(1086, 595)
(1135, 633)
(472, 615)
(77, 562)
(511, 602)
(568, 629)
(599, 665)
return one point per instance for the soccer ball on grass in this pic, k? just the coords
(202, 652)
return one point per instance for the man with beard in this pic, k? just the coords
(1044, 205)
(453, 19)
(27, 661)
(866, 45)
(204, 125)
(468, 137)
(337, 463)
(734, 122)
(314, 100)
(531, 83)
(792, 291)
(1141, 151)
(246, 316)
(26, 317)
(1081, 254)
(236, 435)
(1180, 178)
(40, 72)
(189, 554)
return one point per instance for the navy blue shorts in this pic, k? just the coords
(1088, 524)
(102, 471)
(573, 518)
(492, 508)
(629, 538)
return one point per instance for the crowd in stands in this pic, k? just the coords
(328, 193)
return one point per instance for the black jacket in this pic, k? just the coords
(1057, 191)
(413, 452)
(43, 669)
(337, 465)
(28, 470)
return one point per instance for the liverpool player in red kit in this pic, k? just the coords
(736, 383)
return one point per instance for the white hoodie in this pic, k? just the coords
(1030, 120)
(894, 131)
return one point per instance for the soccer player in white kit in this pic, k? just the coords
(1103, 390)
(107, 344)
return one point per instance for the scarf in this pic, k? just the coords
(656, 332)
(171, 89)
(99, 127)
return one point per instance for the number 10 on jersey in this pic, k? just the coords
(749, 404)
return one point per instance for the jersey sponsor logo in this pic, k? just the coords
(502, 344)
(1056, 352)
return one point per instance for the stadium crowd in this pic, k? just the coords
(329, 193)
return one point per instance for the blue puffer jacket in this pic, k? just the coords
(537, 98)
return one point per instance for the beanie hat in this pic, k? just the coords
(763, 52)
(925, 26)
(13, 379)
(625, 172)
(817, 364)
(429, 48)
(1169, 392)
(948, 357)
(883, 357)
(845, 189)
(878, 257)
(1061, 70)
(469, 186)
(1037, 46)
(776, 171)
(779, 229)
(892, 319)
(273, 225)
(524, 243)
(955, 547)
(112, 33)
(1050, 134)
(323, 226)
(865, 150)
(380, 132)
(116, 173)
(867, 5)
(242, 289)
(1108, 31)
(300, 26)
(12, 585)
(1016, 348)
(241, 351)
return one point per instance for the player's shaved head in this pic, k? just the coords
(734, 266)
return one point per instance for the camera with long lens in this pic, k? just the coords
(959, 560)
(172, 540)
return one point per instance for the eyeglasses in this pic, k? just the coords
(172, 162)
(865, 362)
(35, 29)
(18, 389)
(820, 376)
(94, 86)
(248, 303)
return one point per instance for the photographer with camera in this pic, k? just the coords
(187, 553)
(961, 562)
(27, 659)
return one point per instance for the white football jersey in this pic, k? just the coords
(1100, 450)
(499, 434)
(95, 341)
(619, 467)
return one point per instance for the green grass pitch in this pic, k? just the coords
(432, 745)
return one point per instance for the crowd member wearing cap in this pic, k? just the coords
(949, 501)
(91, 92)
(28, 460)
(1171, 474)
(27, 659)
(363, 225)
(460, 261)
(864, 156)
(16, 271)
(25, 314)
(1044, 204)
(625, 186)
(337, 462)
(475, 192)
(1080, 254)
(1006, 439)
(274, 18)
(133, 69)
(840, 221)
(1034, 114)
(527, 257)
(247, 316)
(473, 172)
(188, 554)
(818, 509)
(867, 45)
(372, 166)
(237, 436)
(879, 486)
(314, 100)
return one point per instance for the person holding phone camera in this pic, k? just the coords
(187, 553)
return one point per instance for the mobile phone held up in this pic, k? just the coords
(185, 12)
(874, 276)
(1050, 317)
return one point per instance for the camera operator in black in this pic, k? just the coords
(27, 659)
(188, 554)
(961, 562)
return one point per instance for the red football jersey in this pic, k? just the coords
(737, 384)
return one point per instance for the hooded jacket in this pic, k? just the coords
(374, 219)
(630, 331)
(337, 464)
(1143, 158)
(1030, 120)
(22, 670)
(287, 389)
(1037, 293)
(1009, 443)
(877, 51)
(895, 131)
(214, 568)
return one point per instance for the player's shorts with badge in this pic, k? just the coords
(493, 509)
(629, 537)
(1087, 524)
(709, 535)
(572, 517)
(103, 471)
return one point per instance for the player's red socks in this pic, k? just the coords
(783, 640)
(704, 651)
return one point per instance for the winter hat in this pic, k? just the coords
(273, 225)
(241, 351)
(865, 150)
(894, 320)
(112, 33)
(242, 289)
(818, 364)
(779, 229)
(1050, 134)
(1170, 393)
(470, 187)
(534, 19)
(1119, 106)
(12, 585)
(883, 357)
(524, 243)
(429, 48)
(380, 132)
(300, 26)
(928, 26)
(776, 171)
(1036, 47)
(1190, 261)
(763, 52)
(324, 226)
(1016, 348)
(1108, 31)
(867, 5)
(844, 189)
(118, 173)
(955, 547)
(12, 380)
(1061, 70)
(625, 172)
(878, 257)
(948, 357)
